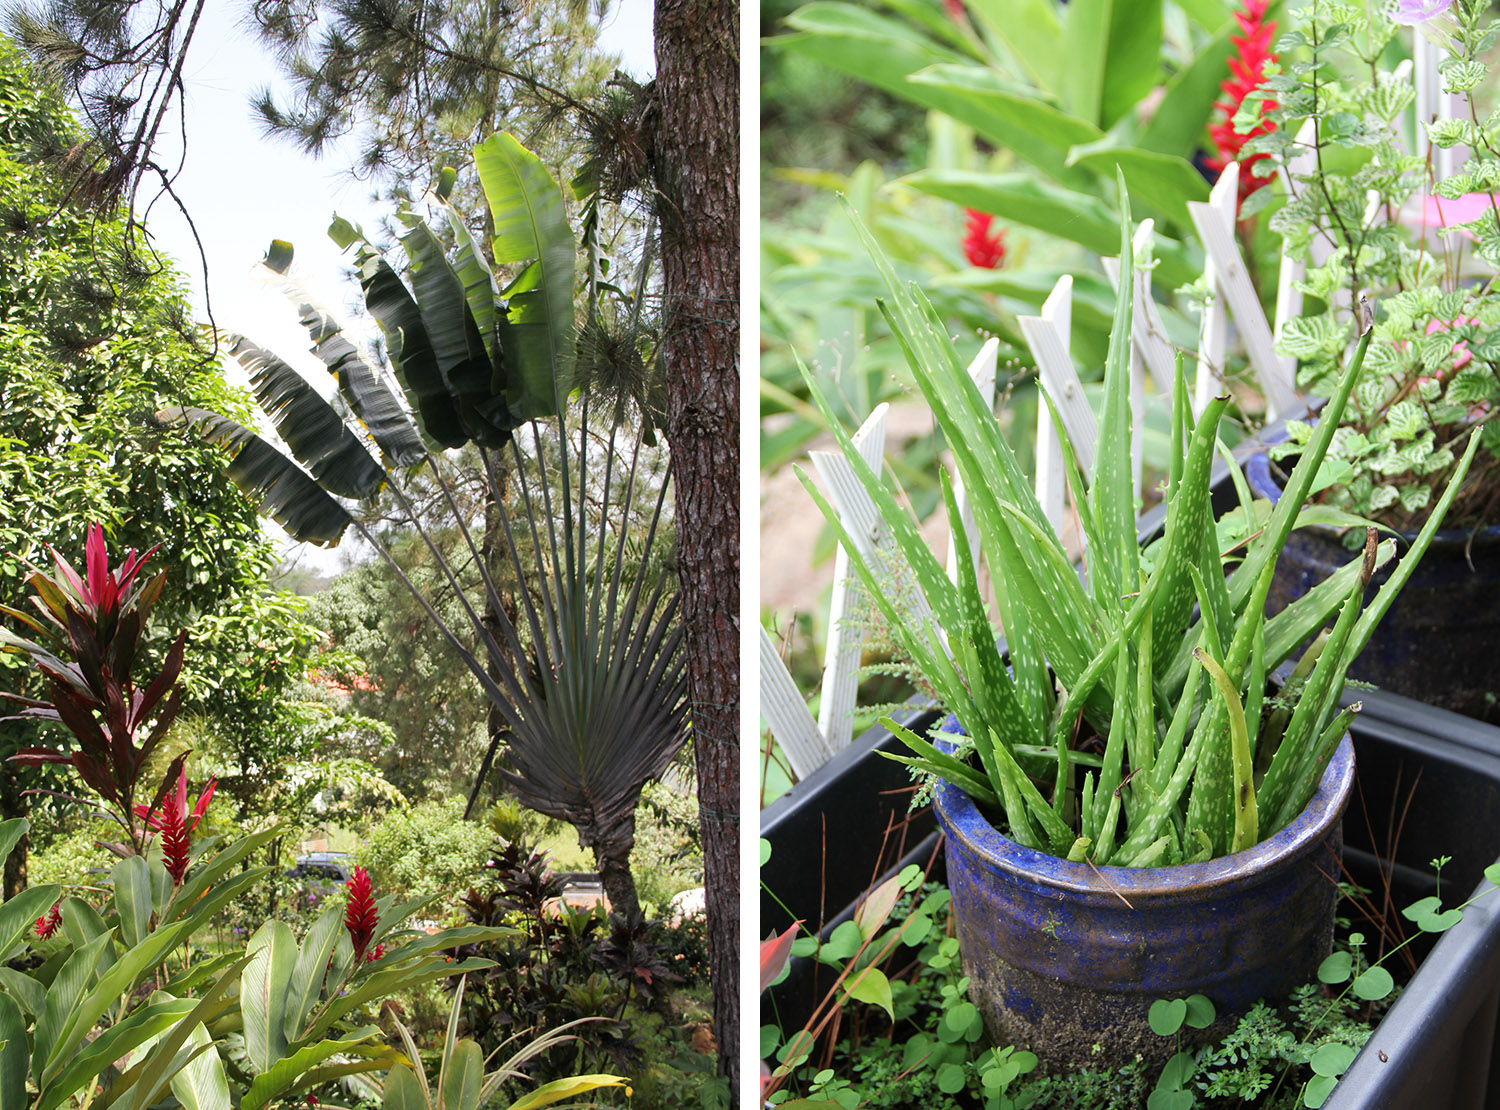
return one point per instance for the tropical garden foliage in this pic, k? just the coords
(516, 493)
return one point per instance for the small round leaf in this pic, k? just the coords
(1166, 1016)
(1331, 1059)
(1373, 985)
(1336, 968)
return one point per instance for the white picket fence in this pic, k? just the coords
(809, 743)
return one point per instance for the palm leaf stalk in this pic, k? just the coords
(589, 679)
(1191, 769)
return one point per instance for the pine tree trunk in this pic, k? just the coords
(696, 161)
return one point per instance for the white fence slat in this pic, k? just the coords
(841, 655)
(1057, 322)
(1055, 368)
(1215, 223)
(1148, 334)
(982, 371)
(787, 714)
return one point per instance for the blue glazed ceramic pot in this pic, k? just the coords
(1437, 642)
(1063, 957)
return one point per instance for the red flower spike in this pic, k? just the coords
(47, 924)
(983, 246)
(1246, 71)
(176, 825)
(360, 916)
(374, 954)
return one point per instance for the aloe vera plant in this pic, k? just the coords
(1161, 653)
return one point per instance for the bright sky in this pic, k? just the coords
(243, 190)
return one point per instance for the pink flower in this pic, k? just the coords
(983, 247)
(175, 825)
(1411, 12)
(361, 917)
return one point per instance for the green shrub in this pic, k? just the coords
(426, 849)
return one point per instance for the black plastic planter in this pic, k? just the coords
(1428, 785)
(1436, 775)
(1438, 640)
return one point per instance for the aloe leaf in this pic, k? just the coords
(1246, 826)
(971, 784)
(1273, 537)
(1111, 493)
(1189, 517)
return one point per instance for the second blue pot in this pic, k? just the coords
(1066, 958)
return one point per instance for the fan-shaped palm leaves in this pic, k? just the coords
(588, 678)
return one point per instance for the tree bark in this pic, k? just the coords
(612, 857)
(696, 159)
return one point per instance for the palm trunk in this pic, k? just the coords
(696, 159)
(612, 857)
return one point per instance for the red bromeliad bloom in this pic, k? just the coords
(175, 824)
(360, 918)
(1246, 71)
(983, 246)
(47, 924)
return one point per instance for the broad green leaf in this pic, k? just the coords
(571, 1087)
(1114, 54)
(403, 1091)
(13, 1056)
(132, 882)
(1033, 33)
(18, 916)
(1164, 183)
(870, 986)
(1166, 1016)
(201, 1084)
(30, 994)
(1008, 115)
(311, 427)
(11, 832)
(1373, 985)
(112, 1044)
(291, 1073)
(264, 989)
(873, 911)
(159, 1067)
(531, 229)
(63, 996)
(1177, 125)
(463, 361)
(127, 971)
(282, 489)
(306, 984)
(463, 1074)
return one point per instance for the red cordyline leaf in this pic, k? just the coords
(1246, 71)
(983, 246)
(360, 917)
(47, 924)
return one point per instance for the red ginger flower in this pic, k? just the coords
(1246, 71)
(47, 924)
(175, 825)
(983, 246)
(360, 917)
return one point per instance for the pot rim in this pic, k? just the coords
(961, 820)
(1257, 469)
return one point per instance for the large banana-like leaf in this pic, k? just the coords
(13, 1057)
(462, 358)
(297, 502)
(361, 385)
(410, 349)
(531, 230)
(311, 427)
(480, 289)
